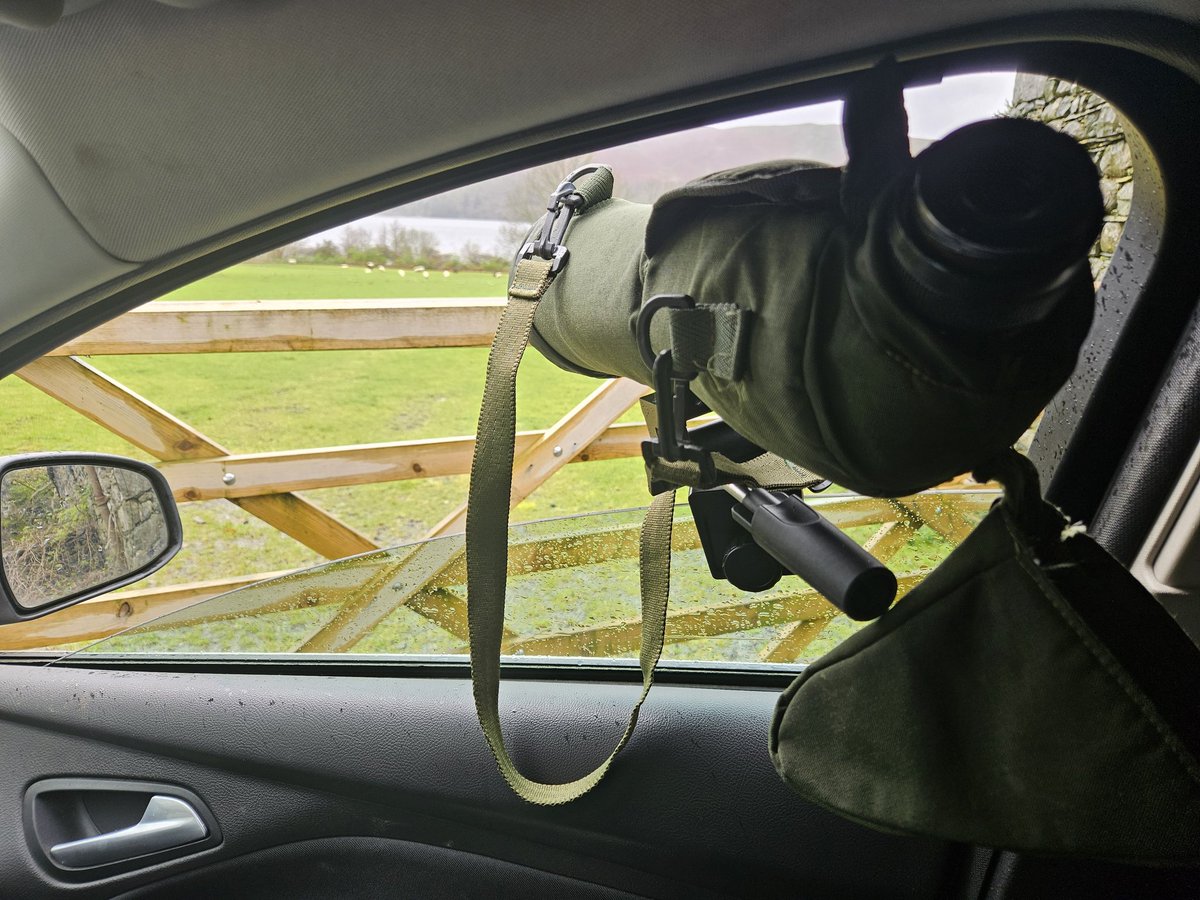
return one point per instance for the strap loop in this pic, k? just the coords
(711, 338)
(706, 337)
(487, 528)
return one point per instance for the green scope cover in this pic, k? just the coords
(802, 336)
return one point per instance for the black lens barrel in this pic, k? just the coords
(995, 224)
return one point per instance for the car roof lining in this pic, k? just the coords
(227, 113)
(43, 221)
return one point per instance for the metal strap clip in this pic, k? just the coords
(673, 400)
(564, 202)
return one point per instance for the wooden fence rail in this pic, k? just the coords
(255, 474)
(244, 326)
(154, 430)
(433, 591)
(265, 484)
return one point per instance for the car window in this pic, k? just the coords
(573, 591)
(317, 403)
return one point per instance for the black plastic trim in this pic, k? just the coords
(616, 671)
(1158, 455)
(1145, 298)
(691, 808)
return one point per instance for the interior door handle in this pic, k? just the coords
(168, 822)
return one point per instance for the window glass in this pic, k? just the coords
(297, 424)
(573, 591)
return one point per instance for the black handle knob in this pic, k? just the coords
(808, 545)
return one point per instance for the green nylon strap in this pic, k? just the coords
(487, 543)
(709, 337)
(595, 187)
(765, 471)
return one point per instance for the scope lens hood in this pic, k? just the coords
(1004, 195)
(995, 225)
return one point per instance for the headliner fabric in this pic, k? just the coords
(44, 224)
(160, 127)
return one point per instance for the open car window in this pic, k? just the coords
(317, 403)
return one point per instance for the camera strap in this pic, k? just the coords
(490, 491)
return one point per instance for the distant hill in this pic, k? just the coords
(643, 170)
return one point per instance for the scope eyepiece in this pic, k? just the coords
(995, 224)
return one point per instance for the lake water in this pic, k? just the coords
(451, 234)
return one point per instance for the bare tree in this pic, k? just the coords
(355, 238)
(527, 201)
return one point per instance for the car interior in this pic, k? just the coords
(146, 144)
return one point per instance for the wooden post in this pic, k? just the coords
(104, 616)
(943, 511)
(685, 624)
(256, 474)
(240, 326)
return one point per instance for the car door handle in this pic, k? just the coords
(168, 822)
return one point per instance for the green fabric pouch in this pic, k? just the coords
(1030, 694)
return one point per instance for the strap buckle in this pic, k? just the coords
(673, 398)
(564, 202)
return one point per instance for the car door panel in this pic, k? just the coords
(371, 867)
(398, 768)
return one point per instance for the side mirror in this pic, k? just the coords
(75, 525)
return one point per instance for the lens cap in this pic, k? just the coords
(1007, 196)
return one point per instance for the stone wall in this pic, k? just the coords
(1091, 121)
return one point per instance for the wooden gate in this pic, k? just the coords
(265, 485)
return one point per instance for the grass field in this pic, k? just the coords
(258, 402)
(279, 281)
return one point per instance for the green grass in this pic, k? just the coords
(280, 281)
(261, 402)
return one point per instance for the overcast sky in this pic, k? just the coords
(933, 111)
